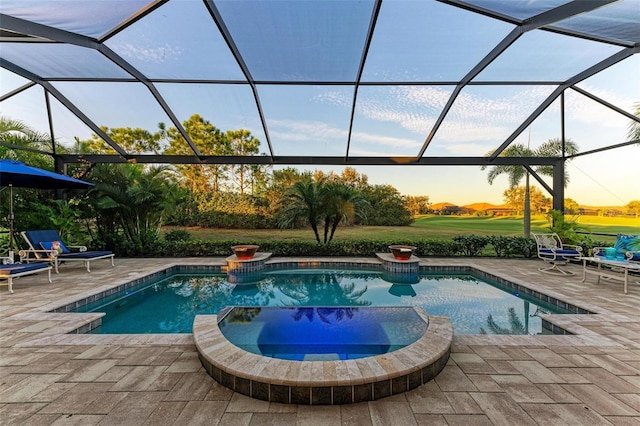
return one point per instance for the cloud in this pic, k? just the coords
(372, 153)
(480, 119)
(584, 110)
(476, 115)
(305, 130)
(157, 54)
(468, 149)
(385, 140)
(292, 130)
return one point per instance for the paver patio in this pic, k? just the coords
(47, 377)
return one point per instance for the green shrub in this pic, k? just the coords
(223, 210)
(512, 246)
(438, 248)
(502, 245)
(471, 245)
(176, 235)
(525, 247)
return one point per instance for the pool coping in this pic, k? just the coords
(324, 382)
(70, 328)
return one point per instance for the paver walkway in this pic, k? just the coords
(592, 378)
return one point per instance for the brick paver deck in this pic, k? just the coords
(592, 378)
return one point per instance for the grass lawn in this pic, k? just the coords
(429, 227)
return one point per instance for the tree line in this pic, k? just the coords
(130, 202)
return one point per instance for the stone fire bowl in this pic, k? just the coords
(401, 252)
(245, 251)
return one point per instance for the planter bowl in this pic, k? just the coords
(401, 252)
(245, 251)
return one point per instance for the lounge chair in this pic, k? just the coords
(47, 246)
(552, 250)
(10, 271)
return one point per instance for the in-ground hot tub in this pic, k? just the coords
(321, 333)
(375, 353)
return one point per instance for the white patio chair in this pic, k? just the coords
(551, 249)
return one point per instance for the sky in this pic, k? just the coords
(388, 120)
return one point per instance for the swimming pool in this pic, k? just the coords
(169, 305)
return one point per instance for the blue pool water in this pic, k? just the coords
(321, 333)
(169, 305)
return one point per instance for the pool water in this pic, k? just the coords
(321, 333)
(169, 305)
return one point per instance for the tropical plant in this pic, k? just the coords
(515, 173)
(634, 126)
(341, 203)
(14, 134)
(303, 203)
(61, 215)
(567, 227)
(130, 202)
(321, 202)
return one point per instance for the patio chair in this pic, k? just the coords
(551, 249)
(47, 246)
(9, 271)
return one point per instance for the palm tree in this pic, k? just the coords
(342, 204)
(16, 133)
(321, 202)
(551, 148)
(304, 201)
(634, 126)
(132, 199)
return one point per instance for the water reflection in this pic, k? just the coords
(515, 325)
(324, 314)
(401, 277)
(321, 289)
(245, 277)
(243, 316)
(400, 290)
(170, 306)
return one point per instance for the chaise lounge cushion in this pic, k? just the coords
(43, 241)
(19, 268)
(95, 254)
(560, 253)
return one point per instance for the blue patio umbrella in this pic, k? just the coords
(16, 174)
